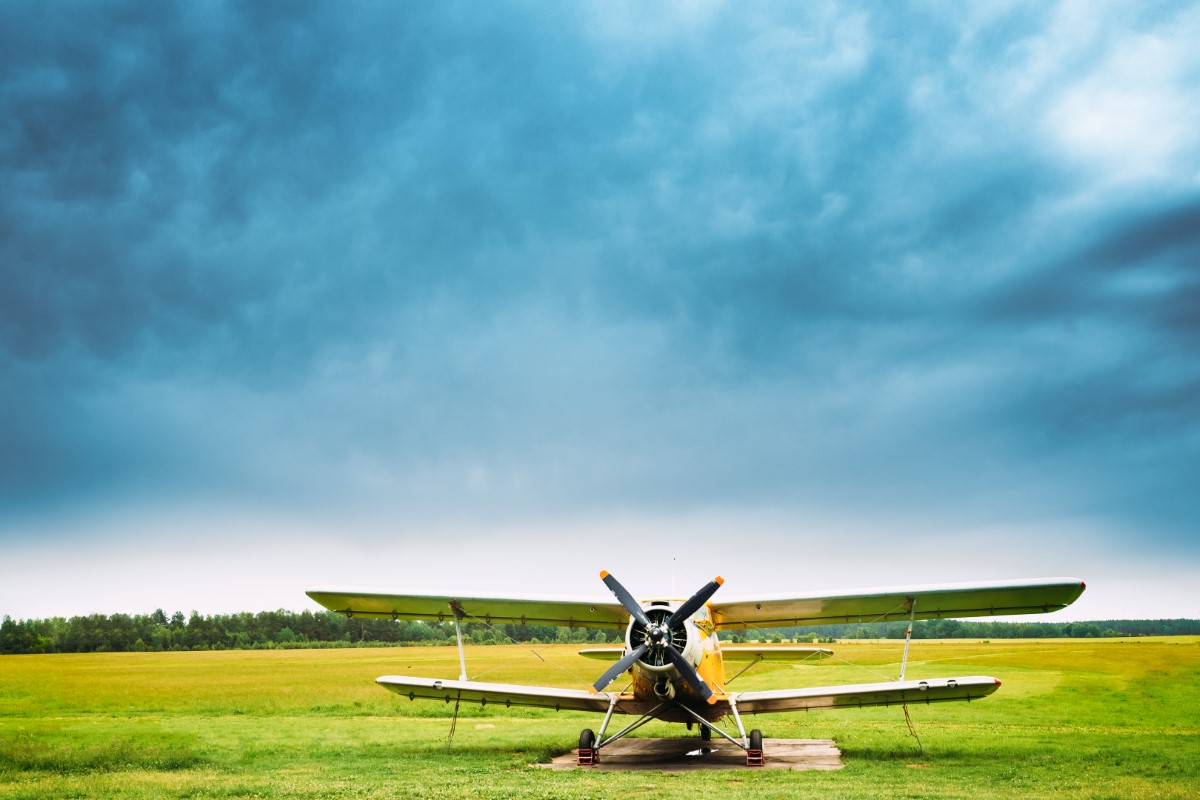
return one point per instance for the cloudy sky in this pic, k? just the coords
(495, 295)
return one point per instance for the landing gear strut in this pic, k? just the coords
(590, 743)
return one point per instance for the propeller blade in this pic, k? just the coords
(625, 598)
(695, 601)
(616, 669)
(689, 673)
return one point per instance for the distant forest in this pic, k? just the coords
(158, 632)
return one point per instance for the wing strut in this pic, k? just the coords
(912, 602)
(757, 660)
(462, 659)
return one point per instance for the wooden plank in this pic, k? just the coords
(691, 754)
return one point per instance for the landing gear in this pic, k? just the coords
(590, 743)
(754, 753)
(588, 754)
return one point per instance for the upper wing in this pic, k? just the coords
(505, 694)
(525, 610)
(863, 695)
(985, 599)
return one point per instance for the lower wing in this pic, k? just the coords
(504, 694)
(865, 695)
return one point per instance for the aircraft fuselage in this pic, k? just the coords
(656, 680)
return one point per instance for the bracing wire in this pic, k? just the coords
(913, 730)
(534, 650)
(883, 616)
(453, 721)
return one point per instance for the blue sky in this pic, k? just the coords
(497, 295)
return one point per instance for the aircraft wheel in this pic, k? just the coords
(705, 734)
(754, 755)
(587, 748)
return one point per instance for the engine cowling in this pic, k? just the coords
(684, 637)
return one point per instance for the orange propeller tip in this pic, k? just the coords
(603, 574)
(593, 690)
(720, 581)
(712, 699)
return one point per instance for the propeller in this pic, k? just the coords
(693, 603)
(616, 669)
(624, 598)
(661, 637)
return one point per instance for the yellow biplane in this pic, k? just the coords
(676, 661)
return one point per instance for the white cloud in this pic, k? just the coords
(1134, 117)
(634, 25)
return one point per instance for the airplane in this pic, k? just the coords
(677, 663)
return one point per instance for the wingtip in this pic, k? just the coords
(603, 574)
(997, 681)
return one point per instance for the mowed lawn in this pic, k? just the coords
(1074, 718)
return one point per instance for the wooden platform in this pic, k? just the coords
(686, 755)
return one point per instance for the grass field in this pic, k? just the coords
(1074, 718)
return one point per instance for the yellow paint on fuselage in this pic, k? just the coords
(712, 665)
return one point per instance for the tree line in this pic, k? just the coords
(99, 633)
(156, 632)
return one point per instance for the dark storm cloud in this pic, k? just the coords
(531, 256)
(1138, 278)
(143, 142)
(1147, 262)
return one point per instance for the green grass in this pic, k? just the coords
(1074, 718)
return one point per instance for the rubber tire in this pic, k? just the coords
(705, 734)
(587, 739)
(756, 739)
